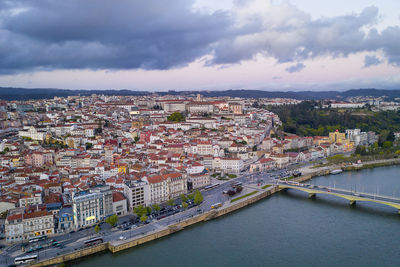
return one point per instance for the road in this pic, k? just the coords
(75, 241)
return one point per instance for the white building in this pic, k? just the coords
(92, 207)
(137, 193)
(228, 165)
(120, 206)
(32, 133)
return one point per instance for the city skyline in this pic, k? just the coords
(200, 45)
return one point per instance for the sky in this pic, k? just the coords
(200, 44)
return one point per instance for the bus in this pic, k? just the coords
(37, 238)
(216, 205)
(25, 259)
(237, 184)
(209, 187)
(93, 241)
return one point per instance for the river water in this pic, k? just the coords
(287, 229)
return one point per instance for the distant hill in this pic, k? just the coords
(10, 93)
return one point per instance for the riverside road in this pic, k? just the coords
(74, 241)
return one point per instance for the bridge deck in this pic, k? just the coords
(349, 195)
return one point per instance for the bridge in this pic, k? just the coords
(351, 196)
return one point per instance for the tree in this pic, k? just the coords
(156, 207)
(387, 144)
(148, 210)
(89, 145)
(171, 202)
(143, 218)
(191, 196)
(112, 220)
(140, 211)
(198, 198)
(185, 205)
(176, 116)
(254, 148)
(184, 198)
(97, 228)
(137, 138)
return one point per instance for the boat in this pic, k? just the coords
(337, 171)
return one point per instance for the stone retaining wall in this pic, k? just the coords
(116, 246)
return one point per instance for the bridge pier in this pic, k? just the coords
(312, 195)
(352, 202)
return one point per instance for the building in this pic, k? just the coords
(29, 200)
(92, 207)
(38, 222)
(119, 204)
(228, 165)
(24, 223)
(199, 180)
(262, 165)
(14, 226)
(200, 107)
(33, 133)
(166, 186)
(357, 137)
(236, 108)
(66, 220)
(137, 193)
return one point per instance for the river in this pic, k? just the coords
(287, 229)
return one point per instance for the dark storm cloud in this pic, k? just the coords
(103, 34)
(296, 68)
(371, 61)
(155, 34)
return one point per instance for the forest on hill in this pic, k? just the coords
(307, 119)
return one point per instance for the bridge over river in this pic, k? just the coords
(352, 196)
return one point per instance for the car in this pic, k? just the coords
(122, 238)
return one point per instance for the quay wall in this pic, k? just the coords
(119, 245)
(72, 255)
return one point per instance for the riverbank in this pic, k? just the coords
(309, 173)
(119, 245)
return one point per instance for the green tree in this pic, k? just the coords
(89, 145)
(191, 196)
(137, 138)
(143, 218)
(183, 198)
(156, 207)
(176, 116)
(198, 197)
(148, 210)
(185, 205)
(140, 211)
(387, 144)
(97, 228)
(112, 220)
(171, 202)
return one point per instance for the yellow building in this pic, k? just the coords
(337, 137)
(122, 169)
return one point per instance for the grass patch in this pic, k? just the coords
(289, 178)
(244, 196)
(266, 186)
